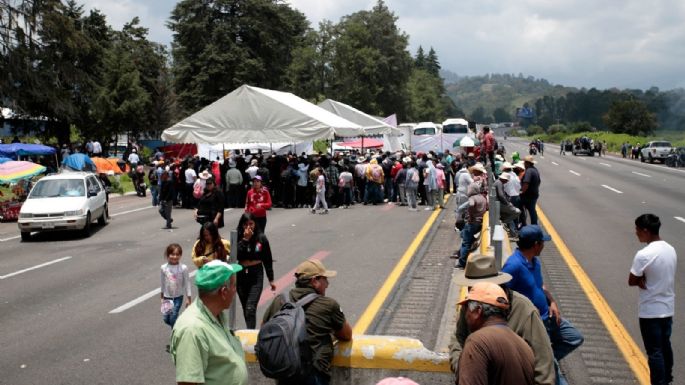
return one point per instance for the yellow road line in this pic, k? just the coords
(632, 353)
(372, 310)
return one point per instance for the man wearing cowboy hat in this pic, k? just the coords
(204, 349)
(530, 189)
(523, 317)
(493, 354)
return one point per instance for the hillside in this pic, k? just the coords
(498, 90)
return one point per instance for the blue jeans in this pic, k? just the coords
(154, 191)
(656, 335)
(170, 319)
(467, 238)
(528, 204)
(565, 337)
(314, 377)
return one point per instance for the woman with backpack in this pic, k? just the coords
(254, 255)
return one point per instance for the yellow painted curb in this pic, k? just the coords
(632, 353)
(372, 310)
(371, 352)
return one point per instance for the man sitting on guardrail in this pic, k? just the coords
(526, 271)
(475, 208)
(493, 354)
(523, 317)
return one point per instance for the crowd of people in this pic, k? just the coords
(510, 328)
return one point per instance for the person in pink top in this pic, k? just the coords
(440, 176)
(258, 201)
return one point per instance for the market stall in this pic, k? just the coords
(17, 175)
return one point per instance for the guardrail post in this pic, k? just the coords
(497, 240)
(233, 258)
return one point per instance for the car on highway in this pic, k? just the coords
(65, 201)
(655, 150)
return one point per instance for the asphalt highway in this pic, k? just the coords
(593, 202)
(84, 311)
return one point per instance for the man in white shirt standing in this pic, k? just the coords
(653, 271)
(190, 176)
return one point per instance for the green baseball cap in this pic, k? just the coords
(214, 274)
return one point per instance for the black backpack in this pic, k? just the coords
(282, 341)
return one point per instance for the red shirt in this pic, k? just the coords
(258, 202)
(489, 142)
(395, 169)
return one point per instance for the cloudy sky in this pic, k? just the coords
(582, 43)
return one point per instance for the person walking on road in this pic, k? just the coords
(189, 176)
(493, 354)
(258, 200)
(523, 318)
(210, 246)
(203, 348)
(234, 185)
(324, 319)
(175, 284)
(166, 198)
(526, 270)
(320, 200)
(254, 255)
(210, 207)
(411, 184)
(653, 272)
(530, 190)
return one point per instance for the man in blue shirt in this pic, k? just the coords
(526, 271)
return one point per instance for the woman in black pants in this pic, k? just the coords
(254, 254)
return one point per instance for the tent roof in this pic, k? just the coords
(251, 114)
(14, 149)
(371, 124)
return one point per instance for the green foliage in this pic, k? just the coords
(557, 128)
(425, 103)
(534, 130)
(371, 65)
(500, 114)
(630, 117)
(220, 45)
(479, 116)
(577, 127)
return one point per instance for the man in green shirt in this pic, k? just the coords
(325, 320)
(204, 350)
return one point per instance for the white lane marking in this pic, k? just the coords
(680, 219)
(34, 267)
(555, 163)
(131, 211)
(141, 299)
(605, 164)
(111, 215)
(641, 174)
(574, 173)
(580, 157)
(612, 189)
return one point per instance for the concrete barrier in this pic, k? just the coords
(367, 359)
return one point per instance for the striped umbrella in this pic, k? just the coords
(14, 171)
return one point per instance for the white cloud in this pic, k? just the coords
(630, 43)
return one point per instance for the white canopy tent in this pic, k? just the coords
(257, 115)
(371, 125)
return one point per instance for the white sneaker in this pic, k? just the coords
(428, 209)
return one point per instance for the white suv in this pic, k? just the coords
(655, 151)
(66, 201)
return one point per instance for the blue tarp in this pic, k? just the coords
(14, 150)
(79, 162)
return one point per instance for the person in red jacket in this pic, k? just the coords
(257, 202)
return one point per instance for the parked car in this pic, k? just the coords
(656, 150)
(65, 201)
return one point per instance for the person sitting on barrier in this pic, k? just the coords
(507, 211)
(493, 354)
(526, 270)
(324, 317)
(475, 208)
(523, 317)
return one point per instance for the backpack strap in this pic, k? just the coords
(306, 299)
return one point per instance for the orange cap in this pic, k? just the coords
(487, 292)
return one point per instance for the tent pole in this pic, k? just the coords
(362, 145)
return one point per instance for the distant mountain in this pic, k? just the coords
(498, 90)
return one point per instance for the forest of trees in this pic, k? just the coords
(78, 76)
(76, 73)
